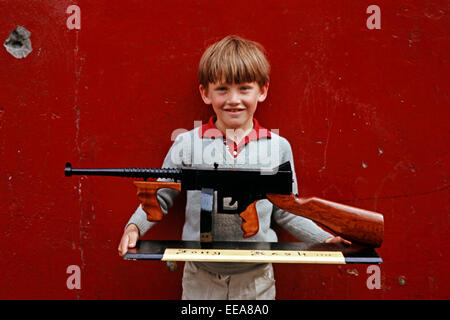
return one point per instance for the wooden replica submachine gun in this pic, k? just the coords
(237, 193)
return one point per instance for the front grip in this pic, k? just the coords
(146, 193)
(250, 222)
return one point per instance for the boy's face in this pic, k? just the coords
(234, 104)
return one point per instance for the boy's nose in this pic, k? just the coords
(233, 97)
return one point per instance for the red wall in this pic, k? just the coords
(366, 112)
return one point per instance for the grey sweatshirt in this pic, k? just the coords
(193, 149)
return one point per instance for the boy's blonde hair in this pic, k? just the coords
(235, 60)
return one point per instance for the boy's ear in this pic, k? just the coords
(263, 92)
(204, 94)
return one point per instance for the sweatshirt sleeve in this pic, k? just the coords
(301, 228)
(165, 196)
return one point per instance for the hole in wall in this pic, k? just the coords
(18, 43)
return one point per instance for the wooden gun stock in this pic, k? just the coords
(146, 193)
(354, 224)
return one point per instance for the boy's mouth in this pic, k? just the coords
(234, 110)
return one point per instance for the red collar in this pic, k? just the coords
(209, 130)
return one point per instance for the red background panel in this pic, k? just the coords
(366, 112)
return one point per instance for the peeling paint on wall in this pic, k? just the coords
(18, 43)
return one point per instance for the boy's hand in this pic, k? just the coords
(129, 239)
(338, 240)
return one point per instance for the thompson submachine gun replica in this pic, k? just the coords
(241, 189)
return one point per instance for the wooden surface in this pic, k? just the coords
(354, 224)
(246, 251)
(250, 222)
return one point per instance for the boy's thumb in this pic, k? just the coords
(131, 242)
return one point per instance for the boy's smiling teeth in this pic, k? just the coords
(233, 109)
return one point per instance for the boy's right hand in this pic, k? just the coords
(129, 239)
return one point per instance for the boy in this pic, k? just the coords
(234, 78)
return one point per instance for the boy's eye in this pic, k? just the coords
(221, 88)
(246, 87)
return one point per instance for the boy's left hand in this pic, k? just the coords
(338, 240)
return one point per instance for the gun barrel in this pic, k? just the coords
(228, 182)
(125, 172)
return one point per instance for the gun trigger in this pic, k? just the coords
(229, 203)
